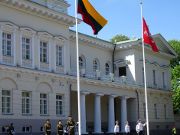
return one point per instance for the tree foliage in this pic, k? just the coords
(119, 37)
(176, 88)
(175, 44)
(175, 71)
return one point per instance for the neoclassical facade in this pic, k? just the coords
(38, 73)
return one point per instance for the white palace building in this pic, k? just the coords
(38, 73)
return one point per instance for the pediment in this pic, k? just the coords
(163, 45)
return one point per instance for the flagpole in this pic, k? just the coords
(77, 65)
(144, 65)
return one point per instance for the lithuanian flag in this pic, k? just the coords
(91, 16)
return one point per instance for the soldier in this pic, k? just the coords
(47, 127)
(127, 128)
(174, 130)
(10, 129)
(59, 128)
(116, 128)
(70, 126)
(139, 127)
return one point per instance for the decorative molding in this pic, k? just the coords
(8, 26)
(155, 63)
(95, 42)
(40, 10)
(44, 36)
(26, 31)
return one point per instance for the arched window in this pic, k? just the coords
(107, 69)
(82, 62)
(95, 65)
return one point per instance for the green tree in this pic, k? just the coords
(175, 44)
(118, 38)
(176, 88)
(175, 71)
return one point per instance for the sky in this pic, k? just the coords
(124, 17)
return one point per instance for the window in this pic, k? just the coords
(6, 101)
(59, 104)
(7, 44)
(144, 109)
(95, 65)
(143, 75)
(154, 78)
(165, 111)
(59, 55)
(155, 111)
(26, 129)
(82, 62)
(163, 79)
(107, 69)
(26, 103)
(43, 104)
(122, 71)
(43, 52)
(26, 48)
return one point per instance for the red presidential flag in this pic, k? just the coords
(147, 37)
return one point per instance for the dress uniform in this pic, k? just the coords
(70, 126)
(47, 128)
(174, 130)
(59, 128)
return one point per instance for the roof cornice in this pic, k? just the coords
(33, 8)
(95, 42)
(137, 44)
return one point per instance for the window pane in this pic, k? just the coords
(26, 48)
(43, 52)
(58, 55)
(6, 101)
(59, 104)
(43, 104)
(7, 44)
(26, 102)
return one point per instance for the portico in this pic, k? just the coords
(98, 111)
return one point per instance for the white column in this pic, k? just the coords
(83, 112)
(123, 112)
(50, 58)
(39, 63)
(1, 44)
(53, 63)
(14, 46)
(20, 41)
(97, 113)
(111, 115)
(32, 54)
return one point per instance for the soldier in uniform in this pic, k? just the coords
(70, 126)
(10, 129)
(174, 130)
(59, 128)
(47, 127)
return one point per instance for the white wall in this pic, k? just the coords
(151, 57)
(129, 56)
(90, 53)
